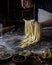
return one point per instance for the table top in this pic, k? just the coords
(12, 42)
(8, 63)
(34, 63)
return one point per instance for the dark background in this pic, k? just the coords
(11, 12)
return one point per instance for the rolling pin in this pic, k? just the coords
(8, 28)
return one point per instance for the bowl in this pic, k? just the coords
(31, 61)
(19, 60)
(6, 56)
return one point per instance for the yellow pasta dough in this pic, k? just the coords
(32, 33)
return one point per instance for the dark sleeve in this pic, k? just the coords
(41, 1)
(45, 4)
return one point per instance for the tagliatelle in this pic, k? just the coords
(32, 33)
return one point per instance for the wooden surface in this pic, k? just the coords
(43, 43)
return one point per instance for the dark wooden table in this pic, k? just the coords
(47, 38)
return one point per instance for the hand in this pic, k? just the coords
(27, 3)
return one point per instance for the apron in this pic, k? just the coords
(45, 10)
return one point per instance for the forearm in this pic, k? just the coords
(47, 23)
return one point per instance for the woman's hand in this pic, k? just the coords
(27, 3)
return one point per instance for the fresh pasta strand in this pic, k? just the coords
(32, 33)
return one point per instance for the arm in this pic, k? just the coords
(47, 23)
